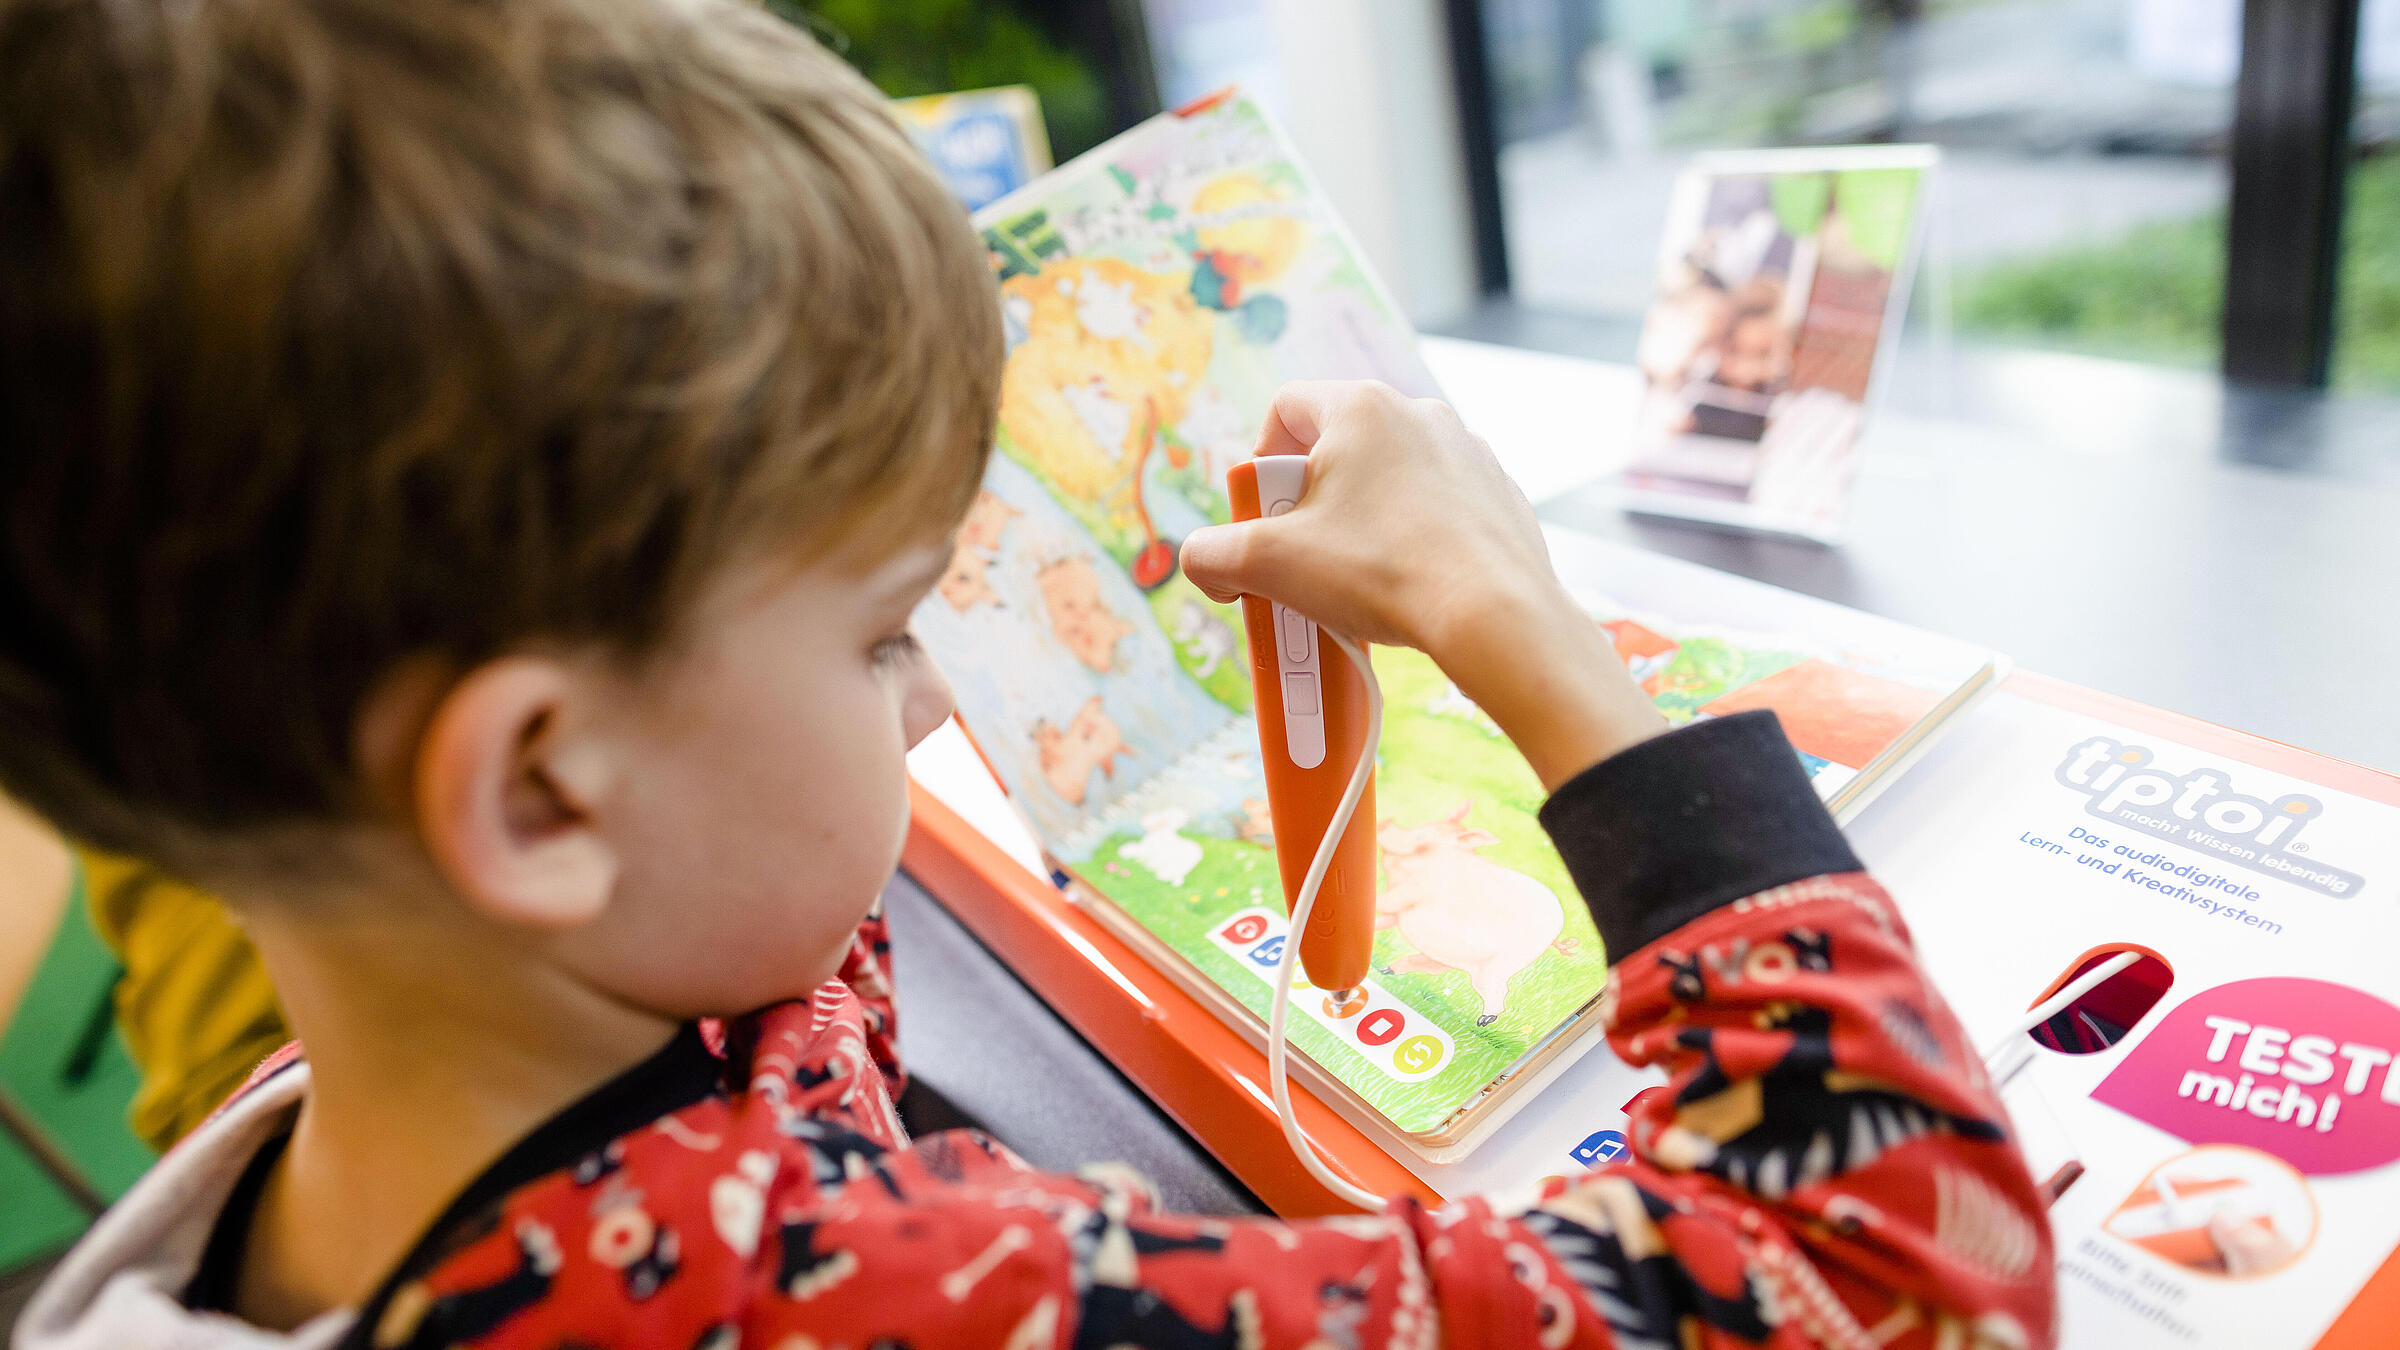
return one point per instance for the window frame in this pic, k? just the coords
(2290, 157)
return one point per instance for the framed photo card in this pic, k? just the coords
(1782, 279)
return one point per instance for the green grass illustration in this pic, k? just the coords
(1432, 761)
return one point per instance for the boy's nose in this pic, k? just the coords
(930, 704)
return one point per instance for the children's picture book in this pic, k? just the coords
(1157, 291)
(1859, 696)
(1782, 279)
(986, 143)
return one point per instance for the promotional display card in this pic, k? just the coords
(2241, 1141)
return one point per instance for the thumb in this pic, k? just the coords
(1223, 560)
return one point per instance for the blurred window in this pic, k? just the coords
(2081, 202)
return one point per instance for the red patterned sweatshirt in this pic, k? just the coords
(1827, 1165)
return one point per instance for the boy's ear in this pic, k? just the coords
(505, 795)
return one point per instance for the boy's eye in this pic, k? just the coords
(895, 649)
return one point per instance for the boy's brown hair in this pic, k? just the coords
(335, 333)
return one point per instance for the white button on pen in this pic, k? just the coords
(1295, 635)
(1299, 695)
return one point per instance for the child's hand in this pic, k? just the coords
(1410, 533)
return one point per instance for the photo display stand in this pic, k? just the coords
(1783, 283)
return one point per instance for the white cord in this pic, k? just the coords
(2012, 1052)
(1278, 1048)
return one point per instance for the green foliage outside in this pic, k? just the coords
(2366, 349)
(2155, 293)
(911, 47)
(1875, 207)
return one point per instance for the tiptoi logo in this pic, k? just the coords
(2200, 810)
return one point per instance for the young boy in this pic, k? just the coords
(470, 469)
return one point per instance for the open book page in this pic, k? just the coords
(1157, 291)
(1854, 692)
(1839, 709)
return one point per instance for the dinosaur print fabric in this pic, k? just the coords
(1826, 1167)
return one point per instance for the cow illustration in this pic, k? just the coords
(1451, 703)
(1461, 911)
(1205, 634)
(1168, 854)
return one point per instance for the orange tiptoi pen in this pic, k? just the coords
(1311, 706)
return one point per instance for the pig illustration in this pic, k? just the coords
(986, 520)
(1258, 825)
(1460, 911)
(1196, 627)
(1169, 856)
(965, 583)
(1090, 741)
(1080, 620)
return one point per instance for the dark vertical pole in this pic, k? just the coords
(2291, 154)
(1576, 21)
(1132, 66)
(1471, 72)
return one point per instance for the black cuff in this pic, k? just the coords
(1660, 834)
